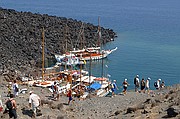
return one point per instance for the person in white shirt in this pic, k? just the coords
(136, 83)
(147, 84)
(15, 88)
(34, 102)
(158, 84)
(125, 85)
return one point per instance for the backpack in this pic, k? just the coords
(155, 84)
(16, 89)
(142, 83)
(135, 81)
(9, 104)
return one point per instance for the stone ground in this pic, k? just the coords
(133, 105)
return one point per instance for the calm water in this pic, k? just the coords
(148, 33)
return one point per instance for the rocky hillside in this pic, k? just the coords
(21, 38)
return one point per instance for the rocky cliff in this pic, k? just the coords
(21, 38)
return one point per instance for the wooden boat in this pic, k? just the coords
(83, 53)
(78, 57)
(93, 53)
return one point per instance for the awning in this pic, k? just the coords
(95, 86)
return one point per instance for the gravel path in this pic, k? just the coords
(98, 107)
(105, 107)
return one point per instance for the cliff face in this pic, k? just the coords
(21, 36)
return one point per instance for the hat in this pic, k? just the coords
(149, 78)
(125, 79)
(159, 79)
(30, 92)
(114, 80)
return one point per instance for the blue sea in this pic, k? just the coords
(148, 34)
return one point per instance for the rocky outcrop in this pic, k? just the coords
(173, 111)
(165, 104)
(21, 39)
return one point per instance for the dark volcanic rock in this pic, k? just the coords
(173, 111)
(118, 112)
(21, 37)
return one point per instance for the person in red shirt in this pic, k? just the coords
(69, 94)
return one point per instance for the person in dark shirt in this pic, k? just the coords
(12, 110)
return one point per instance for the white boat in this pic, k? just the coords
(82, 54)
(78, 57)
(104, 90)
(93, 53)
(69, 59)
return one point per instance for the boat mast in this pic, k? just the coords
(43, 54)
(80, 71)
(99, 37)
(81, 37)
(65, 38)
(90, 63)
(99, 32)
(102, 64)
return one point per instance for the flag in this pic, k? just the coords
(108, 75)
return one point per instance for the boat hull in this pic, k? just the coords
(96, 56)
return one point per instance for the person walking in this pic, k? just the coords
(1, 104)
(125, 85)
(162, 85)
(148, 84)
(69, 94)
(11, 106)
(55, 89)
(113, 88)
(34, 102)
(143, 84)
(136, 83)
(15, 88)
(9, 88)
(157, 84)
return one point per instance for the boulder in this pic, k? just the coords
(131, 109)
(173, 111)
(48, 102)
(118, 112)
(60, 106)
